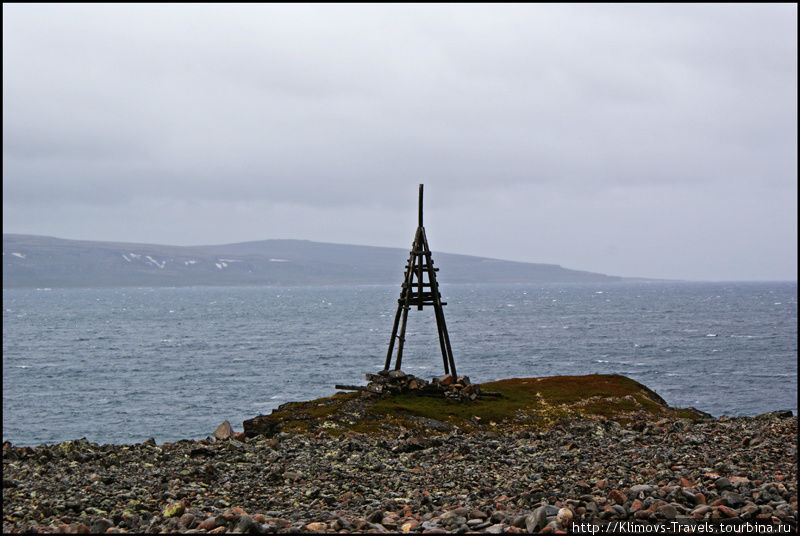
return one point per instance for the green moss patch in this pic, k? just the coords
(524, 402)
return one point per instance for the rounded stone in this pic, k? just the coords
(564, 517)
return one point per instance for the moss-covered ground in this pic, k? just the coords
(523, 402)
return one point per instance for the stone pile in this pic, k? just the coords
(458, 388)
(394, 382)
(447, 386)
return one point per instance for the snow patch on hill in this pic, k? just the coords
(151, 260)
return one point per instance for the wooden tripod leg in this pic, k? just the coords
(441, 341)
(402, 337)
(402, 302)
(441, 325)
(447, 342)
(391, 341)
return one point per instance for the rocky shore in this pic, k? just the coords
(496, 480)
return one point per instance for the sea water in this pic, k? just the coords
(121, 365)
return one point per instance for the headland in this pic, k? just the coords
(546, 455)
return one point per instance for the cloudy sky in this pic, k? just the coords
(634, 140)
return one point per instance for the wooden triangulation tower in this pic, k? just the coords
(417, 291)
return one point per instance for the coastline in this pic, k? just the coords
(646, 471)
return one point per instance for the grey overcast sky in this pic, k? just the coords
(635, 140)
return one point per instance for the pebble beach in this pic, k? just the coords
(560, 479)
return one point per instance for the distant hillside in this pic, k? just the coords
(38, 262)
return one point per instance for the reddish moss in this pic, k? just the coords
(569, 389)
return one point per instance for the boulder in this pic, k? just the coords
(174, 510)
(445, 380)
(617, 497)
(564, 517)
(723, 484)
(537, 520)
(100, 526)
(376, 516)
(223, 431)
(246, 525)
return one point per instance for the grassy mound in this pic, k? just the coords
(524, 402)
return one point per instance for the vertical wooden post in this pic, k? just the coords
(418, 245)
(420, 206)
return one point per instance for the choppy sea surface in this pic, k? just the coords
(126, 364)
